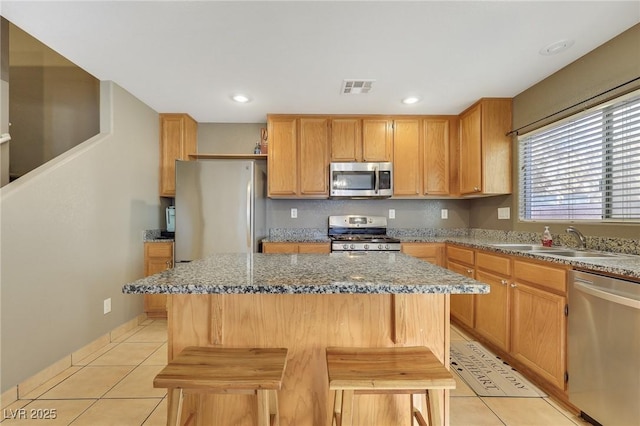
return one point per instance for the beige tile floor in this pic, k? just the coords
(113, 386)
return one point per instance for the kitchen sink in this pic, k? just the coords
(576, 253)
(555, 251)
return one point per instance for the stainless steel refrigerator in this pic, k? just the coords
(220, 207)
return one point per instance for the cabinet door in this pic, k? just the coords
(470, 151)
(178, 139)
(158, 257)
(314, 156)
(435, 157)
(377, 139)
(407, 165)
(496, 146)
(282, 161)
(462, 305)
(492, 310)
(346, 139)
(538, 332)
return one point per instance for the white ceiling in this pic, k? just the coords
(291, 57)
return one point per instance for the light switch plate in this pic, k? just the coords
(294, 213)
(444, 214)
(504, 212)
(392, 213)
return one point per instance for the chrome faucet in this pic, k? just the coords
(579, 236)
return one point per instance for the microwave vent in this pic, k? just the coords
(356, 87)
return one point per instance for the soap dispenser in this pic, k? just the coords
(547, 240)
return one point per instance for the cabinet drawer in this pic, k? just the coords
(279, 247)
(542, 275)
(494, 263)
(314, 248)
(421, 249)
(159, 250)
(463, 255)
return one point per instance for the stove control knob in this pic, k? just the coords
(386, 246)
(366, 246)
(380, 247)
(352, 247)
(345, 246)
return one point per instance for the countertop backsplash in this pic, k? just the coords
(614, 245)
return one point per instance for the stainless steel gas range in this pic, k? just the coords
(359, 233)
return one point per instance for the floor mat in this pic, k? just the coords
(487, 374)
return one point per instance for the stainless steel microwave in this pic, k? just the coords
(361, 180)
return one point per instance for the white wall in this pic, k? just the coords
(71, 236)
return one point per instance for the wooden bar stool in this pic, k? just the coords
(395, 370)
(225, 370)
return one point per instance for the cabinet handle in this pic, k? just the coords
(504, 282)
(513, 285)
(168, 263)
(477, 189)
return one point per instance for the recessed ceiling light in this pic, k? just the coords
(557, 47)
(243, 99)
(410, 100)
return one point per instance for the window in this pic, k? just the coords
(586, 167)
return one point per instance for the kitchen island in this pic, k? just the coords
(307, 302)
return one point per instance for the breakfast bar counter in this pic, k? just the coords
(307, 302)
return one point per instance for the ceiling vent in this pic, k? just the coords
(356, 87)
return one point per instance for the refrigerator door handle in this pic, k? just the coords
(249, 216)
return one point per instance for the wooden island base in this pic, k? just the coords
(307, 324)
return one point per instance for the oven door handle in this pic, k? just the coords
(585, 287)
(376, 179)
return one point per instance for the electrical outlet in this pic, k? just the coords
(444, 214)
(392, 213)
(106, 305)
(504, 212)
(294, 213)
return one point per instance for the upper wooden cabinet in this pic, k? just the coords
(313, 173)
(407, 164)
(485, 150)
(298, 161)
(346, 139)
(178, 139)
(435, 155)
(282, 162)
(421, 156)
(361, 139)
(377, 139)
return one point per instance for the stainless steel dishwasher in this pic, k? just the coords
(604, 348)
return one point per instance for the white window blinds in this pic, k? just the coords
(586, 167)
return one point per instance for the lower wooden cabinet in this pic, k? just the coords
(492, 310)
(157, 258)
(296, 247)
(539, 323)
(462, 261)
(429, 252)
(523, 316)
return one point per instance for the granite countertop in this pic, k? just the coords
(622, 264)
(625, 262)
(337, 273)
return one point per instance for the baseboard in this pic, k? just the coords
(43, 376)
(15, 392)
(9, 396)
